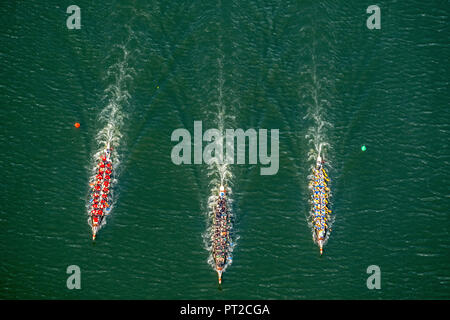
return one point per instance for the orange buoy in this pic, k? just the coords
(77, 125)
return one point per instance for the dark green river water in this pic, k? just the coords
(311, 69)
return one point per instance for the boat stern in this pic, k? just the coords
(319, 161)
(222, 191)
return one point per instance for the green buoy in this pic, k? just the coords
(363, 148)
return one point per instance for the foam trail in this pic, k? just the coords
(220, 238)
(106, 160)
(319, 218)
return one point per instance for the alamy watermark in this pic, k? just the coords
(374, 20)
(74, 280)
(221, 148)
(374, 280)
(74, 20)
